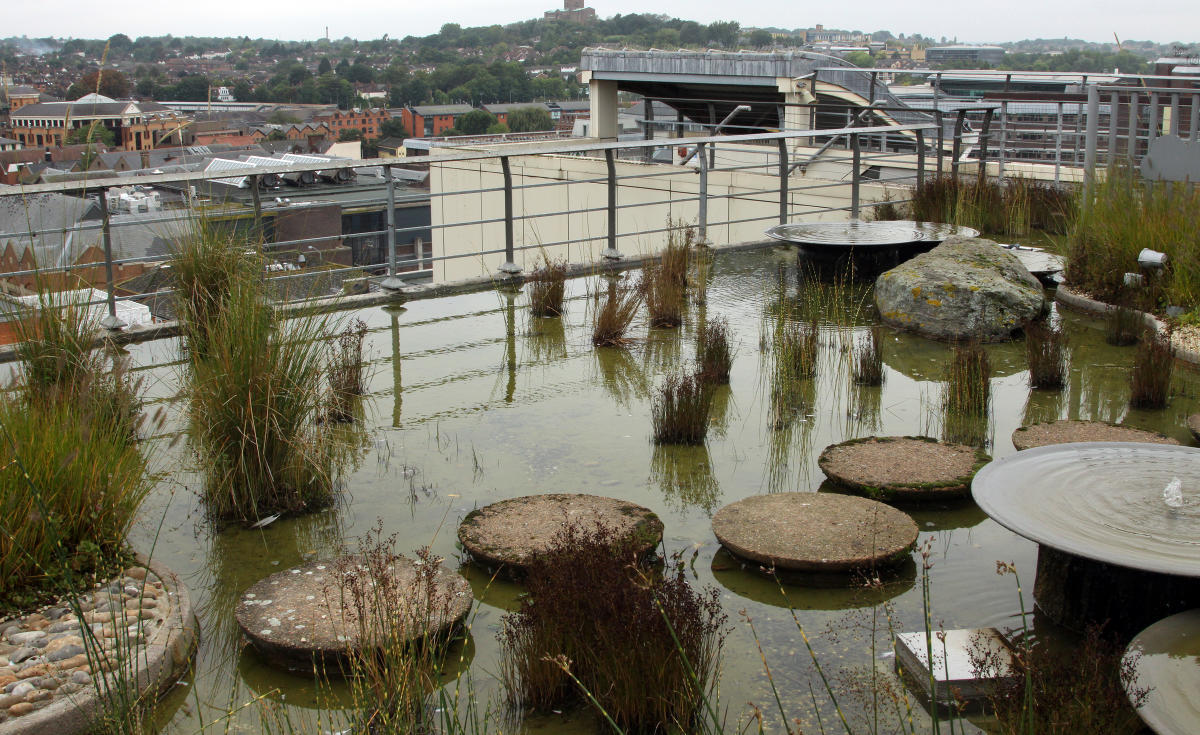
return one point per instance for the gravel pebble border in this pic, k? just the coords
(1066, 431)
(903, 468)
(46, 683)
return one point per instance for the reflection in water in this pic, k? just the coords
(1043, 406)
(790, 420)
(622, 377)
(546, 341)
(510, 341)
(961, 427)
(863, 409)
(662, 351)
(684, 474)
(393, 312)
(810, 592)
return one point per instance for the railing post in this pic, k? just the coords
(1194, 122)
(612, 253)
(985, 137)
(1114, 102)
(393, 282)
(941, 137)
(959, 119)
(110, 322)
(1058, 133)
(1174, 129)
(702, 203)
(1153, 124)
(783, 181)
(256, 197)
(1135, 108)
(854, 181)
(920, 157)
(509, 266)
(1093, 123)
(1003, 137)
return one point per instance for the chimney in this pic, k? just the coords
(145, 159)
(48, 156)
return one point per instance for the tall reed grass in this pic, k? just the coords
(867, 367)
(968, 380)
(1124, 326)
(547, 287)
(1120, 214)
(679, 411)
(1046, 352)
(714, 352)
(1015, 207)
(347, 374)
(208, 258)
(663, 293)
(254, 399)
(1150, 380)
(613, 311)
(642, 648)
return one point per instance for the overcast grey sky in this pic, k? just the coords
(1161, 20)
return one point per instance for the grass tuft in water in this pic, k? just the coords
(1046, 351)
(1150, 380)
(968, 380)
(1124, 326)
(715, 354)
(547, 286)
(642, 648)
(867, 368)
(679, 411)
(347, 374)
(663, 293)
(613, 311)
(207, 260)
(1013, 208)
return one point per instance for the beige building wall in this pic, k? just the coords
(749, 198)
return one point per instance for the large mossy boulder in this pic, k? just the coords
(965, 288)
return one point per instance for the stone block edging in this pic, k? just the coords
(159, 662)
(1079, 302)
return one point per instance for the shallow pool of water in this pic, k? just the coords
(472, 401)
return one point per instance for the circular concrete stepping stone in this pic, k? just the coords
(510, 533)
(300, 615)
(910, 468)
(815, 532)
(1067, 432)
(1193, 424)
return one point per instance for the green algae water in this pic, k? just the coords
(472, 401)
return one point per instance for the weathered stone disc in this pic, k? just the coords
(1193, 424)
(1067, 432)
(902, 467)
(300, 615)
(510, 533)
(815, 532)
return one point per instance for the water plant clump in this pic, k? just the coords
(254, 400)
(715, 354)
(1046, 352)
(796, 348)
(206, 261)
(547, 286)
(644, 648)
(1014, 207)
(675, 257)
(867, 368)
(663, 293)
(1150, 380)
(679, 411)
(613, 311)
(347, 373)
(968, 380)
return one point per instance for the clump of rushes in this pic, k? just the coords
(1150, 380)
(663, 294)
(644, 649)
(1046, 351)
(347, 373)
(868, 357)
(1124, 326)
(968, 380)
(206, 261)
(613, 311)
(72, 474)
(679, 412)
(255, 397)
(797, 347)
(715, 358)
(674, 258)
(547, 286)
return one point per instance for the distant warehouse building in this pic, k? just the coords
(960, 53)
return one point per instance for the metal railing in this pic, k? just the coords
(772, 179)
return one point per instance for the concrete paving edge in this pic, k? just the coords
(164, 657)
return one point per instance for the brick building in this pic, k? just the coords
(368, 121)
(426, 121)
(136, 126)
